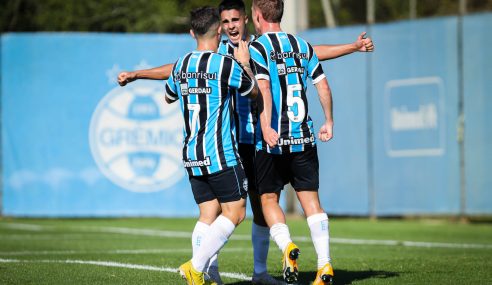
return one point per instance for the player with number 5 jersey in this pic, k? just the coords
(287, 62)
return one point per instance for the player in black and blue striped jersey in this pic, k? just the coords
(203, 81)
(286, 144)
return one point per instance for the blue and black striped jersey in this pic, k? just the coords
(287, 62)
(244, 107)
(203, 82)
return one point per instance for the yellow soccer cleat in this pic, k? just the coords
(192, 276)
(324, 276)
(289, 261)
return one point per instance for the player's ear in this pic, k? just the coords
(192, 34)
(246, 19)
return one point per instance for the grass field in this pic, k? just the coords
(148, 251)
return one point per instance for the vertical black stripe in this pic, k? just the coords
(235, 110)
(203, 114)
(311, 51)
(233, 124)
(259, 46)
(283, 80)
(230, 49)
(304, 127)
(186, 113)
(224, 82)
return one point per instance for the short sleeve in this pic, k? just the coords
(315, 70)
(241, 80)
(260, 60)
(171, 90)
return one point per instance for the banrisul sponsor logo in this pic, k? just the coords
(136, 138)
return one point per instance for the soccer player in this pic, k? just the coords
(286, 148)
(234, 22)
(203, 82)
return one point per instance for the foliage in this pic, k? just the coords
(171, 16)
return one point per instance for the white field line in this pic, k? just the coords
(180, 234)
(238, 276)
(116, 251)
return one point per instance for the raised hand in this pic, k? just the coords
(126, 77)
(364, 43)
(241, 53)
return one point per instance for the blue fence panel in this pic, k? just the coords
(414, 103)
(74, 143)
(478, 118)
(77, 144)
(343, 161)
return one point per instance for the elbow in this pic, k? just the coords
(254, 93)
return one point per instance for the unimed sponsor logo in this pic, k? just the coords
(136, 138)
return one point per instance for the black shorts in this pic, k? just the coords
(247, 154)
(273, 171)
(227, 185)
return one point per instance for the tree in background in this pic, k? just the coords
(171, 16)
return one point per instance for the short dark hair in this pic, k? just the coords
(203, 19)
(272, 10)
(232, 5)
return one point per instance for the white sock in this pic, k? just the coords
(318, 224)
(218, 234)
(199, 233)
(260, 237)
(281, 235)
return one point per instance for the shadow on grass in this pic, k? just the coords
(341, 276)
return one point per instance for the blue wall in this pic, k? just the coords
(74, 143)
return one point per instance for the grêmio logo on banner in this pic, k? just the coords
(136, 138)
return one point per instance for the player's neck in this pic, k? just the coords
(207, 45)
(267, 27)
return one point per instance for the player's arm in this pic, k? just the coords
(171, 88)
(315, 72)
(324, 92)
(259, 59)
(241, 54)
(158, 73)
(362, 44)
(264, 102)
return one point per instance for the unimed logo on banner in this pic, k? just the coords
(136, 138)
(414, 117)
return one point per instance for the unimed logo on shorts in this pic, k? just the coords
(136, 138)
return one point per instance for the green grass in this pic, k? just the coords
(43, 251)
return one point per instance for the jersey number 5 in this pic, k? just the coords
(195, 109)
(293, 100)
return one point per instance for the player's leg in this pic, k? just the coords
(228, 187)
(209, 210)
(306, 182)
(260, 232)
(271, 172)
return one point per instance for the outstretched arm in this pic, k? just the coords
(158, 73)
(362, 44)
(324, 93)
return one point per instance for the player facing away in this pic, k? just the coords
(203, 82)
(286, 146)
